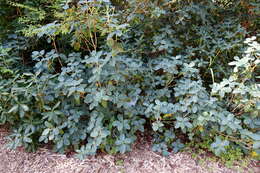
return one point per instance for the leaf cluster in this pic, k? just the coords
(92, 75)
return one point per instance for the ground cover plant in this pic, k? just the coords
(89, 75)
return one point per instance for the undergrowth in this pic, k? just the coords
(90, 75)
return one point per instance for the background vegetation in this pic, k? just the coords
(91, 75)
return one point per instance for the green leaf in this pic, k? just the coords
(157, 125)
(56, 105)
(45, 132)
(24, 107)
(94, 133)
(255, 136)
(27, 140)
(14, 109)
(51, 136)
(47, 124)
(104, 103)
(256, 145)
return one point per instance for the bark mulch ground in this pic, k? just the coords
(140, 160)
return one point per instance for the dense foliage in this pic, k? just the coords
(90, 75)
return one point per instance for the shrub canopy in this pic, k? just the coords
(91, 75)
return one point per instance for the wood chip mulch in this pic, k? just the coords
(140, 160)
